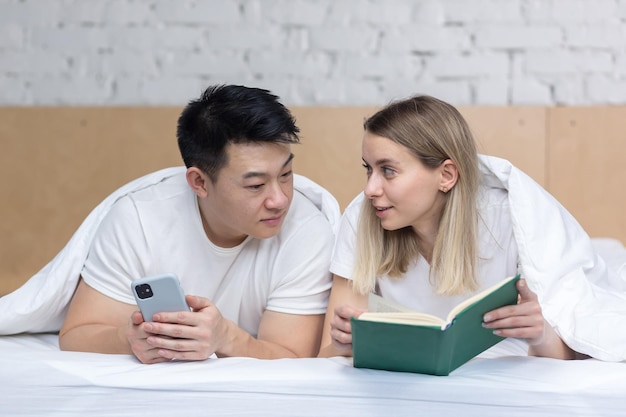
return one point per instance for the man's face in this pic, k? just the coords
(251, 195)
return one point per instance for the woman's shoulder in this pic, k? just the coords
(355, 205)
(490, 197)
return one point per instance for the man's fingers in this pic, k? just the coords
(136, 318)
(198, 303)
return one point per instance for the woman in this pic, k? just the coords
(430, 229)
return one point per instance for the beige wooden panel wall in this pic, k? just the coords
(330, 151)
(514, 133)
(586, 168)
(56, 164)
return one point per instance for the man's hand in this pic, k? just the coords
(97, 323)
(193, 335)
(137, 339)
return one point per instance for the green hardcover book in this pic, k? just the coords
(401, 340)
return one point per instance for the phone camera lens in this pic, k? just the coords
(143, 291)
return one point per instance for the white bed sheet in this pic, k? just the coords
(37, 379)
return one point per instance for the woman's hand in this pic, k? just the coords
(525, 321)
(341, 328)
(343, 304)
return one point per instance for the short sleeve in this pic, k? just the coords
(344, 253)
(115, 257)
(300, 270)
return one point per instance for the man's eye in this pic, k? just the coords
(287, 174)
(254, 187)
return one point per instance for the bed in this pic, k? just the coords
(38, 380)
(565, 150)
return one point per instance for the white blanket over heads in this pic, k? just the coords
(581, 297)
(41, 303)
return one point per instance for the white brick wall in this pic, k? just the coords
(313, 52)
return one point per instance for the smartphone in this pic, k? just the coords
(159, 294)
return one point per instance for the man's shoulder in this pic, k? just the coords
(304, 214)
(302, 207)
(169, 187)
(154, 199)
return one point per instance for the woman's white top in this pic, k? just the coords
(498, 256)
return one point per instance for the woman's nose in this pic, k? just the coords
(372, 187)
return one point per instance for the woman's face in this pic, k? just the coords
(401, 188)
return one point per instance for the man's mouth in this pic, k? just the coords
(273, 220)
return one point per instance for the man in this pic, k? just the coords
(253, 253)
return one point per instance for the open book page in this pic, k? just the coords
(472, 300)
(381, 309)
(404, 318)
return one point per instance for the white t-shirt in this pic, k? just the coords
(498, 256)
(159, 230)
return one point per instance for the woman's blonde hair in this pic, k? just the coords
(434, 132)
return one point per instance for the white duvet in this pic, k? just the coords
(581, 296)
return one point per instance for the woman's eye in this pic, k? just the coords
(368, 169)
(388, 172)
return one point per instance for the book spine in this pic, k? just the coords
(447, 341)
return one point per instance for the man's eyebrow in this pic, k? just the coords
(255, 174)
(289, 159)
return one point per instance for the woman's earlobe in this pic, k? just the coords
(449, 175)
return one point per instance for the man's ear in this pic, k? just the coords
(449, 175)
(198, 181)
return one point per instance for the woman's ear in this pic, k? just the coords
(449, 175)
(198, 181)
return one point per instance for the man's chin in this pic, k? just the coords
(266, 233)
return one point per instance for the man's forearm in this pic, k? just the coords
(238, 342)
(96, 338)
